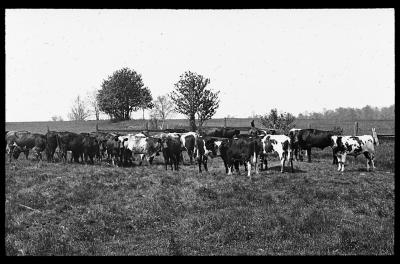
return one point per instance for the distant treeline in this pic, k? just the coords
(349, 113)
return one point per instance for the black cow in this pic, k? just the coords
(51, 144)
(244, 149)
(205, 147)
(220, 132)
(113, 148)
(23, 141)
(102, 141)
(69, 141)
(90, 146)
(175, 130)
(311, 138)
(172, 149)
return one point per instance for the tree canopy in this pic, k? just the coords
(192, 99)
(123, 93)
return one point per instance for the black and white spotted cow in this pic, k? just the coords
(279, 144)
(354, 146)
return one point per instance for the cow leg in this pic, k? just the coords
(283, 159)
(26, 154)
(369, 157)
(229, 168)
(248, 169)
(342, 161)
(334, 158)
(300, 152)
(205, 163)
(199, 162)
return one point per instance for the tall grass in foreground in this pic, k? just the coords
(74, 209)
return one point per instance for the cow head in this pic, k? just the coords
(210, 147)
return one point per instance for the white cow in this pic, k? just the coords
(354, 146)
(279, 144)
(140, 144)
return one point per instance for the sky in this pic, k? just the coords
(295, 60)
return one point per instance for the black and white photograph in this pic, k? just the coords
(199, 132)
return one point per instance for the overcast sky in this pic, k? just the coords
(293, 60)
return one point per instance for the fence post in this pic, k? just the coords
(355, 132)
(97, 127)
(225, 122)
(309, 125)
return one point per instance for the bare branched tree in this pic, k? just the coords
(163, 108)
(92, 100)
(79, 110)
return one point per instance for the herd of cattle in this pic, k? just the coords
(235, 149)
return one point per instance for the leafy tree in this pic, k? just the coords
(163, 108)
(123, 93)
(273, 120)
(79, 111)
(191, 98)
(146, 100)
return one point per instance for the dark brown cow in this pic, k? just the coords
(70, 141)
(23, 141)
(90, 147)
(312, 138)
(244, 149)
(220, 132)
(51, 144)
(171, 148)
(113, 148)
(205, 147)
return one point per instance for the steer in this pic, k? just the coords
(310, 138)
(205, 147)
(69, 141)
(23, 141)
(146, 147)
(244, 149)
(172, 149)
(90, 147)
(354, 146)
(113, 148)
(295, 148)
(188, 141)
(51, 144)
(221, 132)
(279, 144)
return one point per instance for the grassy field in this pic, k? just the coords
(382, 126)
(75, 209)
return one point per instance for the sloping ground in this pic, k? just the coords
(75, 209)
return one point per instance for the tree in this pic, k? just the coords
(273, 120)
(79, 111)
(146, 100)
(92, 100)
(56, 118)
(122, 93)
(191, 98)
(163, 108)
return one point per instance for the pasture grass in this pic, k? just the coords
(76, 209)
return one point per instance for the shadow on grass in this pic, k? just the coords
(287, 169)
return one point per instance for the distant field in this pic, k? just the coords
(382, 126)
(75, 209)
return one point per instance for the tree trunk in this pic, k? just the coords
(192, 119)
